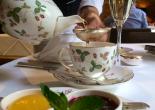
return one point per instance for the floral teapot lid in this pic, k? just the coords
(34, 20)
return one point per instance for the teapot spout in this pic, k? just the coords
(64, 22)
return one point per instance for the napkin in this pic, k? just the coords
(37, 76)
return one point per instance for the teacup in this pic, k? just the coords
(91, 60)
(111, 101)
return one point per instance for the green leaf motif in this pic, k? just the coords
(94, 66)
(83, 69)
(9, 14)
(91, 69)
(42, 9)
(40, 28)
(93, 63)
(17, 10)
(43, 6)
(86, 53)
(23, 31)
(103, 69)
(2, 23)
(39, 7)
(37, 10)
(17, 31)
(25, 6)
(98, 66)
(16, 18)
(82, 56)
(14, 14)
(78, 51)
(38, 3)
(87, 103)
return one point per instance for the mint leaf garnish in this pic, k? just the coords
(57, 100)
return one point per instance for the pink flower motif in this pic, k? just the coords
(37, 18)
(104, 55)
(73, 51)
(94, 55)
(103, 69)
(112, 74)
(42, 16)
(2, 16)
(77, 59)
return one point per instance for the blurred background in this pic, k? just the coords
(148, 6)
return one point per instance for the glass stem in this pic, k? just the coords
(119, 35)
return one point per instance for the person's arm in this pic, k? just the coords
(144, 20)
(94, 3)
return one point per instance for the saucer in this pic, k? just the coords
(117, 75)
(126, 49)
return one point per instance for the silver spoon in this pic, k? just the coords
(135, 106)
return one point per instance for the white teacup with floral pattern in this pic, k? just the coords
(91, 60)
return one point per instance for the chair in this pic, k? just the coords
(134, 36)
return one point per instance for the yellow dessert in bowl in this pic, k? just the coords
(25, 100)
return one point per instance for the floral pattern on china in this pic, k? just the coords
(79, 56)
(33, 20)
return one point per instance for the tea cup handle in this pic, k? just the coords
(61, 59)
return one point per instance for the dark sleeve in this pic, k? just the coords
(68, 7)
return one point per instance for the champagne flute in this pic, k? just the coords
(120, 12)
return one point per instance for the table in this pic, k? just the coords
(140, 88)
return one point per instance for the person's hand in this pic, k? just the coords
(92, 20)
(91, 16)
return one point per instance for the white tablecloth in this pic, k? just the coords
(140, 88)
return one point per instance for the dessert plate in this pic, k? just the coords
(117, 75)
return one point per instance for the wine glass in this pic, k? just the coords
(120, 12)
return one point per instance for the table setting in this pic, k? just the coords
(132, 89)
(122, 72)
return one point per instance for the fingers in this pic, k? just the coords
(91, 16)
(92, 22)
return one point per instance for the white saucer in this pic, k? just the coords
(117, 75)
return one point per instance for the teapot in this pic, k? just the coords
(34, 20)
